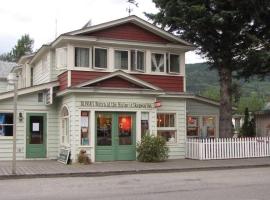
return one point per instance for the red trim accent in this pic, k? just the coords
(128, 31)
(63, 81)
(165, 82)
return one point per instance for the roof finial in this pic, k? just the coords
(129, 9)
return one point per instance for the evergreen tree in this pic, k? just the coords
(228, 33)
(24, 46)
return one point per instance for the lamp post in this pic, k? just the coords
(13, 79)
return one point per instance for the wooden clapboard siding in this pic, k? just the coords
(29, 104)
(165, 82)
(198, 108)
(116, 82)
(128, 31)
(63, 81)
(176, 150)
(41, 74)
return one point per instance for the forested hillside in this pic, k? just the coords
(200, 79)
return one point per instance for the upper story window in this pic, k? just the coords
(158, 62)
(81, 57)
(100, 58)
(121, 59)
(137, 60)
(61, 58)
(173, 63)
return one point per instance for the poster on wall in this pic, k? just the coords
(35, 127)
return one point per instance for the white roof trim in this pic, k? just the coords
(122, 75)
(28, 90)
(134, 19)
(98, 90)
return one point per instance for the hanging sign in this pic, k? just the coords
(157, 104)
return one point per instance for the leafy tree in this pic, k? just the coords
(24, 46)
(227, 33)
(212, 92)
(254, 102)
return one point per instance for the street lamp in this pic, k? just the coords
(13, 80)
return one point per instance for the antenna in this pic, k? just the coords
(131, 2)
(55, 27)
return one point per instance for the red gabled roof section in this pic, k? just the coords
(127, 31)
(116, 82)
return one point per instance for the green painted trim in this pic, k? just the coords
(42, 147)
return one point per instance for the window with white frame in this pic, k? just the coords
(85, 128)
(100, 58)
(137, 60)
(121, 59)
(166, 126)
(144, 124)
(158, 62)
(65, 126)
(61, 58)
(193, 126)
(173, 63)
(81, 57)
(209, 126)
(6, 124)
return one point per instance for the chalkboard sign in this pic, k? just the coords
(64, 156)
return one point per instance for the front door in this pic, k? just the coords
(115, 136)
(36, 135)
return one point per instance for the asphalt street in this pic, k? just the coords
(238, 184)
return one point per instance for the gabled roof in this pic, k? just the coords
(121, 75)
(131, 19)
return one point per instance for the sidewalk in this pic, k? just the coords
(52, 168)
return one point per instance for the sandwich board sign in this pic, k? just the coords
(64, 156)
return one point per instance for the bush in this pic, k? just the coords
(83, 158)
(152, 149)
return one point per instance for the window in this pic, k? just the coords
(144, 124)
(157, 62)
(85, 127)
(192, 126)
(40, 97)
(174, 63)
(121, 59)
(137, 60)
(209, 126)
(31, 76)
(100, 58)
(65, 126)
(166, 126)
(81, 57)
(61, 58)
(6, 124)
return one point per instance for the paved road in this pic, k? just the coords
(246, 184)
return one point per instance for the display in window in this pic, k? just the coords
(84, 128)
(192, 126)
(125, 130)
(144, 124)
(104, 130)
(168, 135)
(6, 124)
(209, 127)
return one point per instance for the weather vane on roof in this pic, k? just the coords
(131, 2)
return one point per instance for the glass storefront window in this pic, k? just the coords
(104, 130)
(192, 126)
(124, 130)
(209, 126)
(85, 128)
(144, 124)
(166, 127)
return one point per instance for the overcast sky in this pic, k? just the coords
(38, 18)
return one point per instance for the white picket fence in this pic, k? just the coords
(227, 148)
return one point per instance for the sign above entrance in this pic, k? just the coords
(116, 104)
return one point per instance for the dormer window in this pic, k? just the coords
(158, 62)
(121, 59)
(100, 58)
(173, 63)
(137, 60)
(81, 57)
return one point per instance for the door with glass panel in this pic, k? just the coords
(36, 135)
(115, 136)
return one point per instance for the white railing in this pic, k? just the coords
(227, 148)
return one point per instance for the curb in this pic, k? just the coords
(127, 172)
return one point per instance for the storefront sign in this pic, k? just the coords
(64, 156)
(116, 104)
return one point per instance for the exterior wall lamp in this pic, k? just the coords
(20, 117)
